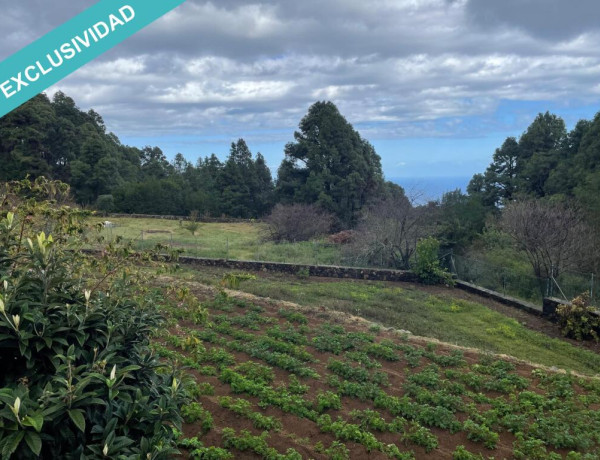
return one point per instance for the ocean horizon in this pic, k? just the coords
(424, 189)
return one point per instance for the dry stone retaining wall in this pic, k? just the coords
(328, 271)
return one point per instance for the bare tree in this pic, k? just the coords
(388, 232)
(298, 222)
(554, 236)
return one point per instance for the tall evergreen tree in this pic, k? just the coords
(540, 152)
(329, 164)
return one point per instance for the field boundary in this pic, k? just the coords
(370, 274)
(367, 274)
(325, 271)
(208, 220)
(501, 298)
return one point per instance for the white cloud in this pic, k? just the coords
(397, 68)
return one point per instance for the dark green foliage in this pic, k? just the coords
(330, 165)
(105, 204)
(78, 376)
(546, 161)
(427, 264)
(56, 139)
(462, 218)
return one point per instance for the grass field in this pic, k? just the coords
(404, 306)
(277, 381)
(240, 241)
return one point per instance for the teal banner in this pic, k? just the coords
(75, 43)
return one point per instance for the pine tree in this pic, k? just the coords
(330, 165)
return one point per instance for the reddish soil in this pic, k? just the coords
(302, 434)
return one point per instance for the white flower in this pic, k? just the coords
(105, 450)
(17, 406)
(87, 295)
(1, 306)
(16, 320)
(113, 373)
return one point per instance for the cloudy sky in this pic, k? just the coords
(435, 85)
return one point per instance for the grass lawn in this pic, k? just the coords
(406, 307)
(240, 241)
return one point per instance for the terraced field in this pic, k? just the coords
(274, 380)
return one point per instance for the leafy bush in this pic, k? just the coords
(578, 319)
(105, 204)
(78, 376)
(427, 265)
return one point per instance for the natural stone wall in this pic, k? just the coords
(328, 271)
(218, 220)
(372, 274)
(550, 306)
(552, 303)
(504, 299)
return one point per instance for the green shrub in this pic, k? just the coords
(78, 376)
(427, 265)
(105, 204)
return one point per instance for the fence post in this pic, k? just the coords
(227, 250)
(592, 288)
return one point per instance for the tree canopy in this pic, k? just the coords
(55, 139)
(330, 165)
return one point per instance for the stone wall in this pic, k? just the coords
(550, 306)
(504, 299)
(371, 274)
(552, 303)
(328, 271)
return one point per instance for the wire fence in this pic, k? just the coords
(521, 283)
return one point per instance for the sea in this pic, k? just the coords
(424, 189)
